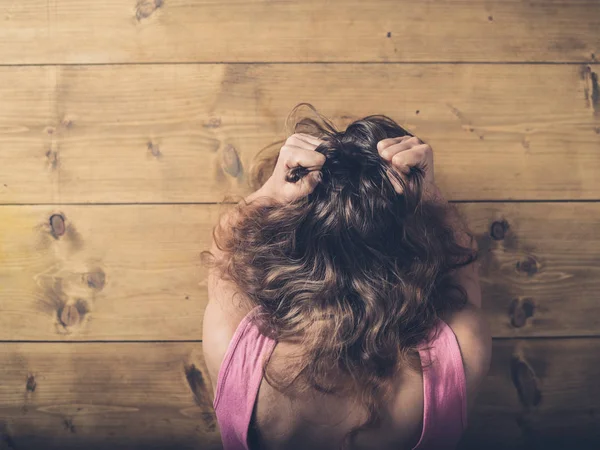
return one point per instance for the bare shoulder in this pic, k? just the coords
(474, 339)
(224, 312)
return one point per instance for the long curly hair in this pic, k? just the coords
(355, 272)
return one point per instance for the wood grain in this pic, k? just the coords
(540, 394)
(157, 134)
(539, 275)
(131, 395)
(111, 31)
(126, 396)
(119, 272)
(133, 272)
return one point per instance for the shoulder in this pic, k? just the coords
(474, 338)
(225, 310)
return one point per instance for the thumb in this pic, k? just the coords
(310, 181)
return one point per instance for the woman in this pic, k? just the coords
(344, 300)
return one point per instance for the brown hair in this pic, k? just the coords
(371, 267)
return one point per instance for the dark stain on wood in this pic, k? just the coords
(525, 382)
(69, 425)
(595, 97)
(153, 149)
(52, 296)
(491, 18)
(57, 225)
(68, 316)
(566, 44)
(73, 237)
(145, 8)
(96, 279)
(498, 229)
(31, 384)
(67, 123)
(528, 265)
(591, 89)
(197, 384)
(389, 34)
(214, 122)
(230, 161)
(464, 120)
(52, 159)
(72, 314)
(520, 310)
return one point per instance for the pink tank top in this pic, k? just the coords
(444, 387)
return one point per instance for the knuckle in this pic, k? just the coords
(386, 153)
(398, 158)
(287, 152)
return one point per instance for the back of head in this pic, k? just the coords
(355, 271)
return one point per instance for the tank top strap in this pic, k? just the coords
(444, 389)
(238, 382)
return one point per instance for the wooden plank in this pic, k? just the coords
(99, 134)
(71, 31)
(142, 395)
(540, 394)
(125, 396)
(540, 266)
(134, 273)
(119, 272)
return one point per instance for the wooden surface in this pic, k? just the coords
(540, 394)
(105, 396)
(100, 134)
(69, 31)
(133, 272)
(73, 395)
(122, 123)
(109, 273)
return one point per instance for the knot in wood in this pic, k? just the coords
(498, 229)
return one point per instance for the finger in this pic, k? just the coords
(304, 140)
(389, 152)
(309, 138)
(298, 156)
(404, 161)
(385, 143)
(309, 183)
(395, 183)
